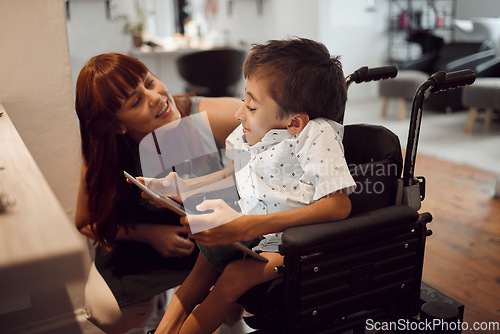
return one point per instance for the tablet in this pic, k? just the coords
(177, 208)
(250, 252)
(167, 201)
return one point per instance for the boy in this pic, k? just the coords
(289, 168)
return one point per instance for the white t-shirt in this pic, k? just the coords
(284, 171)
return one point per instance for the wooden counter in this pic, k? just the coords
(39, 245)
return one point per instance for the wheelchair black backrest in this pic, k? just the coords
(373, 155)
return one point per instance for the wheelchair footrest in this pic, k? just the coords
(429, 294)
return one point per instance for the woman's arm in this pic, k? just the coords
(220, 112)
(168, 240)
(335, 206)
(82, 216)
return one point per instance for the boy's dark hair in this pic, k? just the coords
(303, 77)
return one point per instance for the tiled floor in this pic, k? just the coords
(442, 135)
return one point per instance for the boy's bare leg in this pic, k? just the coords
(235, 314)
(235, 280)
(191, 292)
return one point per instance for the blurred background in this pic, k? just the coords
(363, 32)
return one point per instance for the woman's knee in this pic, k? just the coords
(105, 313)
(111, 319)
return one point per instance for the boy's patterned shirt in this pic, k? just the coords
(284, 171)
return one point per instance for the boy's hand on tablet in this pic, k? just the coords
(220, 214)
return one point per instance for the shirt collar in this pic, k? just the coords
(271, 138)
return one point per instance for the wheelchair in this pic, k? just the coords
(337, 276)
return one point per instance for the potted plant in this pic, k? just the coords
(136, 30)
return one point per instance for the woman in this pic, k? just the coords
(140, 251)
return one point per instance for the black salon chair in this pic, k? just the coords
(483, 97)
(213, 73)
(450, 57)
(488, 69)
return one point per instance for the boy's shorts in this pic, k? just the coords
(220, 256)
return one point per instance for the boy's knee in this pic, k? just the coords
(232, 274)
(233, 282)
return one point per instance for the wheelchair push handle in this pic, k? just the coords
(366, 74)
(439, 81)
(445, 81)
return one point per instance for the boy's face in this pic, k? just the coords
(259, 112)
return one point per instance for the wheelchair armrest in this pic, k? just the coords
(309, 239)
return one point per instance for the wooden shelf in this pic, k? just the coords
(407, 17)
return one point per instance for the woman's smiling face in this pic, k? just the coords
(146, 108)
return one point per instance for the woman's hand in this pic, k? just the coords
(166, 187)
(222, 226)
(171, 185)
(167, 240)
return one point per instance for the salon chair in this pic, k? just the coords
(427, 41)
(338, 275)
(450, 57)
(484, 96)
(212, 73)
(479, 29)
(489, 69)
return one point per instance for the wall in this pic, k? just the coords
(91, 33)
(354, 29)
(279, 19)
(347, 29)
(36, 90)
(467, 9)
(357, 32)
(486, 29)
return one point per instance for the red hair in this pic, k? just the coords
(102, 86)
